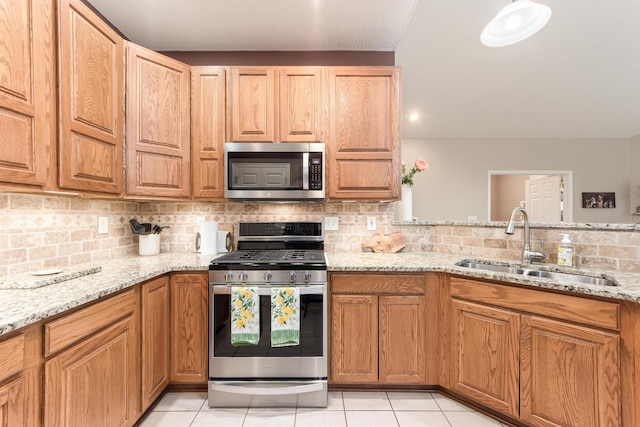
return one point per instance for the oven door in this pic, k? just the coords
(308, 360)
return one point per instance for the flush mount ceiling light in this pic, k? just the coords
(515, 22)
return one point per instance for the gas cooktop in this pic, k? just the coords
(272, 256)
(271, 259)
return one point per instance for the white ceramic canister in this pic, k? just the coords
(149, 244)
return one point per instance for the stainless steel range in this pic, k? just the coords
(281, 258)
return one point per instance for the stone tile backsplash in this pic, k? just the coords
(43, 231)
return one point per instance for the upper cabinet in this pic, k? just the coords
(275, 104)
(300, 104)
(91, 89)
(27, 87)
(252, 112)
(363, 132)
(208, 87)
(158, 125)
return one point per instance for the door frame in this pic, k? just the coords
(567, 194)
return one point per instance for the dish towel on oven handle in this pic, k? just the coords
(285, 317)
(245, 316)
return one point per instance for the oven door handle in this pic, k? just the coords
(266, 290)
(267, 391)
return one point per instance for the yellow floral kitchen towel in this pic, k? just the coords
(285, 319)
(245, 316)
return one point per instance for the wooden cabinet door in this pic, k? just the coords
(94, 383)
(13, 387)
(300, 104)
(354, 339)
(155, 339)
(485, 355)
(208, 100)
(27, 91)
(402, 340)
(91, 90)
(252, 91)
(13, 404)
(158, 125)
(363, 141)
(570, 375)
(189, 329)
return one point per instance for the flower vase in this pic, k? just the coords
(404, 207)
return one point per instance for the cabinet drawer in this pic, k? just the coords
(69, 329)
(406, 284)
(11, 357)
(601, 314)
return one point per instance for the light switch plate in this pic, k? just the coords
(200, 219)
(103, 225)
(371, 223)
(331, 223)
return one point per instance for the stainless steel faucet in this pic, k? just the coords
(527, 254)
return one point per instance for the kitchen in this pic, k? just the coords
(43, 231)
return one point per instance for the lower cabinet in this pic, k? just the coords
(570, 375)
(155, 329)
(94, 380)
(487, 355)
(20, 379)
(378, 329)
(536, 356)
(189, 328)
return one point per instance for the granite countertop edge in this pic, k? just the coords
(22, 307)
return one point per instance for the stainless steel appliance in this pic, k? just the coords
(269, 171)
(281, 254)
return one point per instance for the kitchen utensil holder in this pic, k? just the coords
(149, 244)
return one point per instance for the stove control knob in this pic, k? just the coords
(292, 276)
(243, 276)
(268, 276)
(228, 276)
(307, 276)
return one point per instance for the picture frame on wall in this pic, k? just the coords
(598, 200)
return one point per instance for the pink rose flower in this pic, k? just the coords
(421, 165)
(418, 166)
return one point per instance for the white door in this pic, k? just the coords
(543, 198)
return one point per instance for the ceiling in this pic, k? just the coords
(579, 77)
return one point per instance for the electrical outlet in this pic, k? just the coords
(371, 223)
(200, 219)
(103, 225)
(472, 218)
(331, 223)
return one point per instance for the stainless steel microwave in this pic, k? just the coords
(279, 172)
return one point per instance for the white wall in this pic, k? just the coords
(634, 189)
(455, 185)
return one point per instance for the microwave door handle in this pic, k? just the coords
(305, 171)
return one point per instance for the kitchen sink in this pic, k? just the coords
(534, 272)
(589, 280)
(491, 267)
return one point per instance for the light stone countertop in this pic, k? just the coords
(22, 307)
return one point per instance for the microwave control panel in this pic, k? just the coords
(315, 171)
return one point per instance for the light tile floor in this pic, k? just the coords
(348, 409)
